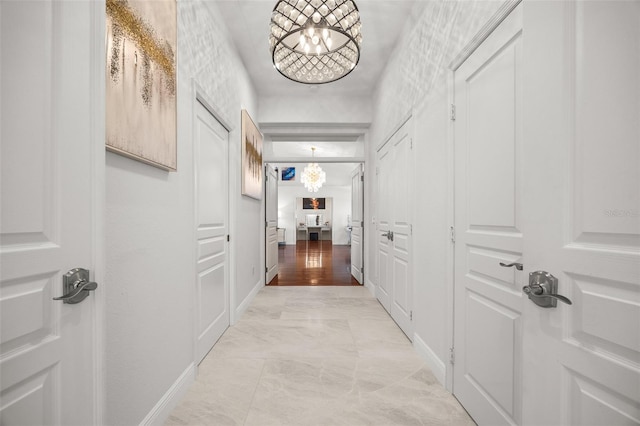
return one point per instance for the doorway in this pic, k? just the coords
(313, 229)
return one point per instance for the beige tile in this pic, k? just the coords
(316, 356)
(286, 339)
(222, 394)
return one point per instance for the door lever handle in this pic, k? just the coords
(389, 235)
(530, 291)
(76, 286)
(509, 265)
(543, 290)
(81, 286)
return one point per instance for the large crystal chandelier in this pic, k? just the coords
(313, 176)
(315, 41)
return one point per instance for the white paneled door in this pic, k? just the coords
(395, 290)
(212, 216)
(51, 137)
(488, 217)
(271, 222)
(357, 223)
(547, 143)
(582, 199)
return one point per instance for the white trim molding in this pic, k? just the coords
(160, 412)
(504, 11)
(436, 365)
(247, 300)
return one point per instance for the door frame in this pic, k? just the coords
(98, 203)
(500, 15)
(320, 160)
(199, 96)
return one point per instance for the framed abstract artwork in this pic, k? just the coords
(289, 173)
(141, 81)
(251, 158)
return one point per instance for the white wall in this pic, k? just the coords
(150, 260)
(341, 206)
(415, 83)
(315, 109)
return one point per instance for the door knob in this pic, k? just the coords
(509, 265)
(389, 235)
(543, 290)
(76, 286)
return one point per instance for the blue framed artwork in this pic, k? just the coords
(289, 173)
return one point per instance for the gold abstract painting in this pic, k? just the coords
(251, 158)
(141, 80)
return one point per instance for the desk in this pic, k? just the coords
(305, 233)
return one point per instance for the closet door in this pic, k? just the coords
(212, 216)
(395, 245)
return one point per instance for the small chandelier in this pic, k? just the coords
(315, 41)
(313, 176)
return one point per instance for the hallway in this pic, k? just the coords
(312, 356)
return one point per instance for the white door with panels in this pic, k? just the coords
(488, 222)
(395, 290)
(212, 229)
(271, 222)
(52, 146)
(547, 180)
(582, 199)
(357, 224)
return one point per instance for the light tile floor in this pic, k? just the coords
(316, 356)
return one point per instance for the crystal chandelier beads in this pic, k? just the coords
(313, 177)
(315, 41)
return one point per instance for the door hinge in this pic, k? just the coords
(452, 356)
(266, 269)
(362, 270)
(362, 224)
(453, 112)
(410, 229)
(453, 234)
(411, 143)
(228, 238)
(410, 315)
(377, 171)
(362, 178)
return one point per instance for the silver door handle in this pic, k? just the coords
(509, 265)
(543, 290)
(76, 286)
(535, 293)
(389, 235)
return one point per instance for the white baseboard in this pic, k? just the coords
(247, 300)
(371, 286)
(433, 362)
(159, 414)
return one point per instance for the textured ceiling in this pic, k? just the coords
(382, 24)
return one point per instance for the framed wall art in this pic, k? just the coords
(141, 81)
(252, 169)
(289, 173)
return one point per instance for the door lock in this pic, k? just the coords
(76, 286)
(543, 290)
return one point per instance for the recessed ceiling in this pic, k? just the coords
(382, 24)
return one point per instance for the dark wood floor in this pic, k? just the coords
(314, 263)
